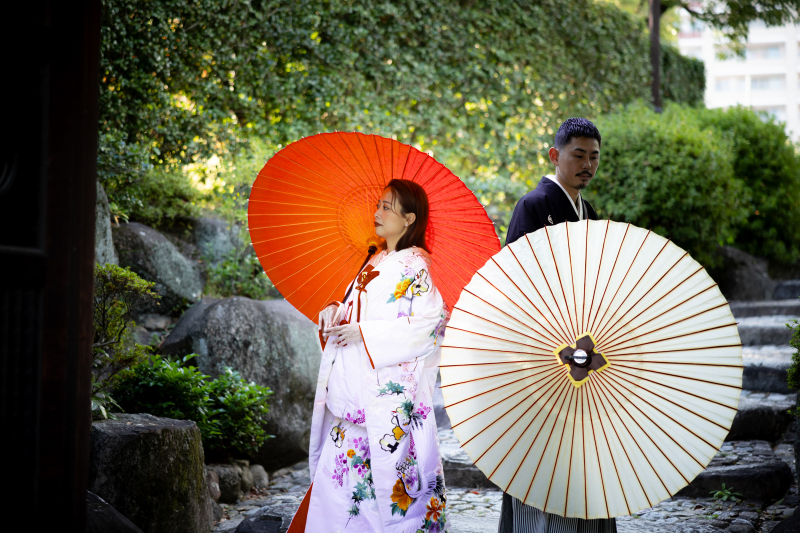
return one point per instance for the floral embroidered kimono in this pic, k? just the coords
(374, 457)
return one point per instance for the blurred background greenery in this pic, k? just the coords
(195, 97)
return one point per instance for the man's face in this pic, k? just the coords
(577, 162)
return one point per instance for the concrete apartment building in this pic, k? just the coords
(767, 79)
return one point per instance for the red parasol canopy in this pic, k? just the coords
(311, 216)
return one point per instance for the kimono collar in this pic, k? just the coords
(398, 254)
(579, 208)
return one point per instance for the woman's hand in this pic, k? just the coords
(348, 334)
(326, 317)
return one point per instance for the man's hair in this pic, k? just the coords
(573, 128)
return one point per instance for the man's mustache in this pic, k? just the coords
(585, 173)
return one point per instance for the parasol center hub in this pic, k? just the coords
(580, 357)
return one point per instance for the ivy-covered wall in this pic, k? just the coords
(486, 80)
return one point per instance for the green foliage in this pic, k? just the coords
(169, 389)
(118, 295)
(767, 162)
(725, 493)
(229, 412)
(793, 372)
(484, 83)
(139, 191)
(241, 409)
(240, 274)
(683, 79)
(667, 173)
(731, 18)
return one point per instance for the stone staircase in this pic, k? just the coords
(766, 352)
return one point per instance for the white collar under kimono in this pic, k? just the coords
(579, 208)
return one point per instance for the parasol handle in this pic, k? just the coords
(372, 249)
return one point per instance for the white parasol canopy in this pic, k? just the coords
(591, 369)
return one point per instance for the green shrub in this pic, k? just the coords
(683, 79)
(793, 372)
(666, 173)
(240, 409)
(166, 388)
(118, 295)
(240, 274)
(766, 161)
(140, 192)
(229, 412)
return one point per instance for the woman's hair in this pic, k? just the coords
(412, 199)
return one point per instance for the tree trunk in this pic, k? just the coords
(655, 51)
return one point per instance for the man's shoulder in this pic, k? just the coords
(538, 196)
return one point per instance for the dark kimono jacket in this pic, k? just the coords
(546, 205)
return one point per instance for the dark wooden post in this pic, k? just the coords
(655, 51)
(48, 158)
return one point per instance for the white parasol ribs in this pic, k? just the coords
(633, 432)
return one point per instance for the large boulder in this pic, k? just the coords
(268, 342)
(743, 276)
(215, 239)
(102, 518)
(151, 470)
(153, 257)
(103, 242)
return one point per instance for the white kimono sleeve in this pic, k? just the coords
(408, 338)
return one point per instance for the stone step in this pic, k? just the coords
(787, 289)
(765, 368)
(748, 467)
(765, 308)
(762, 416)
(762, 330)
(459, 471)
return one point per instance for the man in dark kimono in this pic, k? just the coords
(557, 199)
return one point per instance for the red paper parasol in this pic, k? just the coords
(311, 216)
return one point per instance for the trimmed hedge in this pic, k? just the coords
(767, 163)
(668, 173)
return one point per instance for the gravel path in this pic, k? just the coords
(477, 510)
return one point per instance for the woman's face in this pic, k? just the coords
(389, 223)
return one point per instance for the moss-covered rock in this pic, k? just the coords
(151, 470)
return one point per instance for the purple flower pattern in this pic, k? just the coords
(340, 469)
(358, 418)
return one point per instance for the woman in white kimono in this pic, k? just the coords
(374, 457)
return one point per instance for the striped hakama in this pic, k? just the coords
(516, 517)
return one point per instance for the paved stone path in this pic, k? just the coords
(477, 510)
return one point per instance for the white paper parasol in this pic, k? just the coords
(591, 369)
